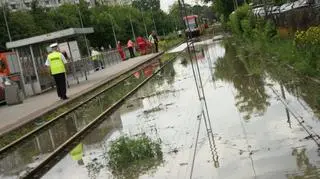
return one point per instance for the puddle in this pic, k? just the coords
(260, 115)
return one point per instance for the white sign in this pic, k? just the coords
(74, 50)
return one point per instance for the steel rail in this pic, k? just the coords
(63, 149)
(18, 141)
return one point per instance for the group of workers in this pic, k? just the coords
(56, 60)
(142, 44)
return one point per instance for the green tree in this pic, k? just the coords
(42, 19)
(223, 7)
(146, 5)
(66, 16)
(22, 25)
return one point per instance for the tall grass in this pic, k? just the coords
(260, 36)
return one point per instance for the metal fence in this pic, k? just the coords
(36, 78)
(79, 69)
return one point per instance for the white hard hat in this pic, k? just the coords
(54, 45)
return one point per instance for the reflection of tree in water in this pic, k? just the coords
(303, 163)
(246, 76)
(168, 73)
(296, 85)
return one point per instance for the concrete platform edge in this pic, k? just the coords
(29, 118)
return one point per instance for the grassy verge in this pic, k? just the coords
(299, 50)
(166, 44)
(284, 52)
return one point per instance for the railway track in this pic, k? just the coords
(68, 145)
(16, 143)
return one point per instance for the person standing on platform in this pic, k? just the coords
(130, 46)
(142, 44)
(154, 41)
(121, 52)
(56, 61)
(95, 56)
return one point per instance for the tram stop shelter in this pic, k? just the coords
(32, 54)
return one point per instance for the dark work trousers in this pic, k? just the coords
(60, 80)
(156, 46)
(131, 52)
(96, 65)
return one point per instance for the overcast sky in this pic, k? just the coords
(165, 4)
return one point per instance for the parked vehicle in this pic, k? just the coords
(192, 23)
(2, 94)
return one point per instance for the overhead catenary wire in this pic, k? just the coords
(313, 135)
(198, 81)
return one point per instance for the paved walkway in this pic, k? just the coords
(14, 116)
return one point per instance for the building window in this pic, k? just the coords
(13, 6)
(28, 4)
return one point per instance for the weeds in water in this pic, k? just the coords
(129, 157)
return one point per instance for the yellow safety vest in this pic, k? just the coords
(56, 63)
(95, 57)
(77, 152)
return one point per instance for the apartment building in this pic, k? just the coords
(26, 4)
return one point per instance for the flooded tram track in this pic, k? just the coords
(167, 108)
(73, 141)
(16, 143)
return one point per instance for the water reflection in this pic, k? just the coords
(246, 75)
(95, 145)
(33, 151)
(304, 88)
(308, 170)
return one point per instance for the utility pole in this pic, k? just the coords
(134, 35)
(235, 4)
(144, 23)
(81, 22)
(114, 32)
(154, 24)
(6, 21)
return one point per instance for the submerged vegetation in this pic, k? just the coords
(130, 157)
(299, 50)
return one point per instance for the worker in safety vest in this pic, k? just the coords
(56, 61)
(153, 39)
(96, 58)
(77, 154)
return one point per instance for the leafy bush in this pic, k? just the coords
(308, 42)
(236, 18)
(243, 23)
(308, 38)
(129, 157)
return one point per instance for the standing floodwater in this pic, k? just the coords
(262, 116)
